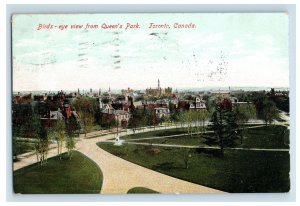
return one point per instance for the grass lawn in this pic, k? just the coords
(23, 146)
(141, 190)
(156, 133)
(75, 176)
(197, 140)
(238, 171)
(161, 132)
(274, 136)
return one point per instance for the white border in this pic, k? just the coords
(6, 150)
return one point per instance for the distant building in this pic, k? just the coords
(219, 93)
(162, 112)
(197, 104)
(25, 99)
(127, 91)
(157, 92)
(109, 114)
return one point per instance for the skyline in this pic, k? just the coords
(245, 44)
(113, 90)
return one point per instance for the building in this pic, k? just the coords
(109, 114)
(197, 104)
(24, 99)
(162, 112)
(157, 92)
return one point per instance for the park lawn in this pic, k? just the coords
(194, 140)
(267, 137)
(237, 172)
(75, 176)
(162, 132)
(23, 146)
(272, 136)
(156, 133)
(141, 190)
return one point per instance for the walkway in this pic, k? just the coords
(121, 175)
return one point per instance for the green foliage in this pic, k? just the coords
(16, 147)
(224, 125)
(282, 103)
(244, 112)
(87, 120)
(109, 123)
(88, 110)
(269, 112)
(171, 107)
(176, 116)
(43, 142)
(70, 145)
(265, 107)
(42, 145)
(72, 129)
(59, 134)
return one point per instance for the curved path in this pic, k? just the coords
(120, 175)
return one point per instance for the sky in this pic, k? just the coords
(233, 49)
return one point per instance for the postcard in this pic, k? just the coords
(164, 103)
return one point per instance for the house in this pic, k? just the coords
(162, 112)
(49, 122)
(122, 117)
(197, 104)
(109, 114)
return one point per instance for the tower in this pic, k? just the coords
(158, 88)
(158, 84)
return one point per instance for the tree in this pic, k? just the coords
(171, 107)
(175, 117)
(153, 119)
(59, 133)
(134, 120)
(188, 119)
(244, 112)
(223, 123)
(203, 115)
(72, 128)
(70, 144)
(43, 145)
(87, 110)
(269, 111)
(15, 143)
(41, 134)
(87, 120)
